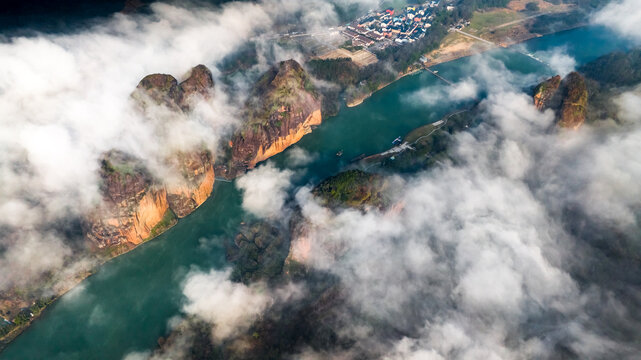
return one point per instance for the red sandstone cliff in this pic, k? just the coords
(164, 89)
(568, 99)
(196, 185)
(132, 204)
(282, 109)
(544, 92)
(135, 206)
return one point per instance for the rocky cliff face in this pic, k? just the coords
(568, 98)
(544, 92)
(132, 204)
(282, 109)
(575, 102)
(163, 89)
(135, 206)
(198, 182)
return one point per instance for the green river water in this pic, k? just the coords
(127, 304)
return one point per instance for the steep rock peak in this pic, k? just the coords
(544, 92)
(568, 98)
(132, 203)
(575, 101)
(200, 81)
(161, 88)
(196, 184)
(282, 108)
(122, 175)
(164, 89)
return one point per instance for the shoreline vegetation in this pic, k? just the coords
(353, 89)
(456, 45)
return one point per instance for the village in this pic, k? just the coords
(380, 29)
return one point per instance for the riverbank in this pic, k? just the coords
(458, 45)
(461, 50)
(130, 300)
(359, 99)
(159, 252)
(100, 260)
(63, 285)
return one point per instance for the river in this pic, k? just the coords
(127, 304)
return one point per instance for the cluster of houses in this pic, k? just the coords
(405, 26)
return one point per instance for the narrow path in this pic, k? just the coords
(531, 56)
(443, 123)
(519, 20)
(475, 37)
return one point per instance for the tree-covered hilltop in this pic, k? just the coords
(615, 69)
(353, 188)
(342, 71)
(258, 252)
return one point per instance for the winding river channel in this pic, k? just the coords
(127, 304)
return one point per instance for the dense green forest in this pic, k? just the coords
(343, 71)
(616, 69)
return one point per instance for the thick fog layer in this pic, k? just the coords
(65, 100)
(524, 245)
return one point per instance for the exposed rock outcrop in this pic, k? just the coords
(567, 98)
(136, 206)
(196, 185)
(575, 102)
(164, 89)
(544, 92)
(282, 109)
(132, 204)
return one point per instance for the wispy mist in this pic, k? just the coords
(65, 100)
(492, 255)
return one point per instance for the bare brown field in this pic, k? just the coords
(503, 27)
(455, 46)
(519, 5)
(361, 57)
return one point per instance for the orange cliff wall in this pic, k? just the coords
(133, 204)
(293, 136)
(150, 211)
(128, 221)
(186, 198)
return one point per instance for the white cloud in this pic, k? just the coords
(230, 307)
(485, 257)
(31, 256)
(559, 61)
(65, 99)
(623, 16)
(465, 90)
(297, 157)
(265, 190)
(629, 104)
